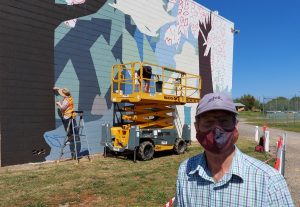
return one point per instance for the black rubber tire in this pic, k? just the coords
(179, 146)
(106, 152)
(145, 151)
(109, 152)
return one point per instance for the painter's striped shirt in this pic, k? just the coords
(249, 182)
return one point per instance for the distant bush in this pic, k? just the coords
(250, 102)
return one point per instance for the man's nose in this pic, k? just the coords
(218, 129)
(216, 125)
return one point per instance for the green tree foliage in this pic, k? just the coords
(278, 104)
(283, 104)
(249, 101)
(294, 103)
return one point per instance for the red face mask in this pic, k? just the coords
(217, 140)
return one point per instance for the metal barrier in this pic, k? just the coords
(165, 84)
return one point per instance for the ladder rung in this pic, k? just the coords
(78, 127)
(78, 135)
(68, 143)
(75, 139)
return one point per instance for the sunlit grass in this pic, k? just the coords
(103, 182)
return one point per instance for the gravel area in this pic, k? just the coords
(292, 164)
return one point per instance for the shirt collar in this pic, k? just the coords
(238, 163)
(200, 166)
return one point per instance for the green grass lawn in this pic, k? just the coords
(102, 182)
(257, 118)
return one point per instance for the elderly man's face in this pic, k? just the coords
(216, 131)
(218, 118)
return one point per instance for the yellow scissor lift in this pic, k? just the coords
(144, 121)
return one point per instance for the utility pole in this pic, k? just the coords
(298, 102)
(263, 105)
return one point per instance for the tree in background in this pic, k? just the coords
(294, 103)
(249, 101)
(278, 104)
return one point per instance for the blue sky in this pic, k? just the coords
(267, 50)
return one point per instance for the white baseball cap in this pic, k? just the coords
(215, 101)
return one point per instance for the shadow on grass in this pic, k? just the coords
(129, 155)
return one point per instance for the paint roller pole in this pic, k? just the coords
(256, 134)
(267, 141)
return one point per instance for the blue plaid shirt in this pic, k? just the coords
(249, 182)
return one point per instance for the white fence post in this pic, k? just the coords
(282, 164)
(284, 140)
(256, 134)
(267, 141)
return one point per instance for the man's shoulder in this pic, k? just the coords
(192, 163)
(259, 167)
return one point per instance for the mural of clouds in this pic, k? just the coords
(157, 31)
(219, 40)
(188, 56)
(148, 15)
(72, 22)
(189, 14)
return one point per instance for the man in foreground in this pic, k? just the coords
(223, 175)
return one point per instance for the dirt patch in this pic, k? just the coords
(88, 200)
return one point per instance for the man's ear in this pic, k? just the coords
(196, 125)
(237, 124)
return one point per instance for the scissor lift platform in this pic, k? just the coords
(167, 85)
(143, 121)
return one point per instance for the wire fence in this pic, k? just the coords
(285, 117)
(281, 104)
(281, 110)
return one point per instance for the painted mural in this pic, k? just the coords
(176, 33)
(27, 54)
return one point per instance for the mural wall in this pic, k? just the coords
(175, 33)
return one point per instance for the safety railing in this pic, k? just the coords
(141, 78)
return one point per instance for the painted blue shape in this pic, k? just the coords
(163, 52)
(75, 46)
(136, 34)
(152, 42)
(128, 86)
(117, 49)
(191, 39)
(175, 9)
(131, 28)
(108, 98)
(55, 139)
(139, 38)
(187, 115)
(166, 53)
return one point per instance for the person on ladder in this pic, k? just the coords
(68, 117)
